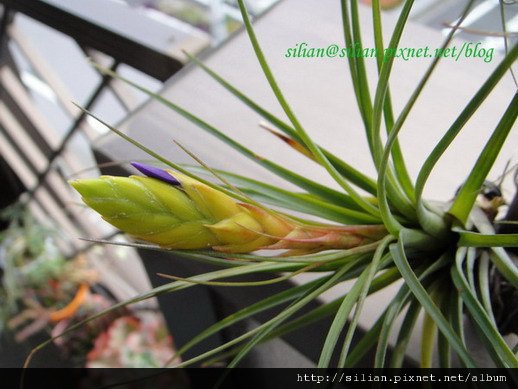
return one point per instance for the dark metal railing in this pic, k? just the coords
(93, 35)
(89, 36)
(40, 179)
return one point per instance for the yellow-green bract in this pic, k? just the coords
(193, 215)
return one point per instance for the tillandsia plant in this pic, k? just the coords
(379, 231)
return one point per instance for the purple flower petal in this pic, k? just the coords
(154, 172)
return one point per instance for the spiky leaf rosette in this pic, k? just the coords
(175, 211)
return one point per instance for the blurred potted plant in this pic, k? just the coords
(39, 285)
(42, 291)
(139, 340)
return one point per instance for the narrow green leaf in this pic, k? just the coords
(163, 289)
(261, 306)
(364, 106)
(311, 205)
(396, 305)
(345, 309)
(505, 265)
(467, 195)
(475, 239)
(353, 39)
(306, 139)
(398, 195)
(444, 351)
(358, 76)
(362, 254)
(463, 255)
(392, 224)
(314, 315)
(398, 253)
(311, 186)
(324, 310)
(452, 307)
(199, 257)
(429, 333)
(289, 263)
(267, 327)
(462, 119)
(405, 332)
(157, 156)
(218, 349)
(365, 344)
(470, 266)
(503, 262)
(389, 220)
(487, 327)
(300, 202)
(316, 289)
(352, 174)
(483, 282)
(270, 332)
(361, 75)
(372, 269)
(386, 68)
(397, 155)
(270, 281)
(456, 314)
(506, 36)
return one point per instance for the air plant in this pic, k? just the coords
(378, 231)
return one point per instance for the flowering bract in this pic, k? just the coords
(175, 211)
